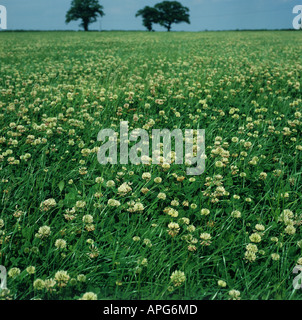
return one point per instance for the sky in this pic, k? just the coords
(120, 15)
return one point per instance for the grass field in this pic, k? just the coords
(67, 231)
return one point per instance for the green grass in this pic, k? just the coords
(58, 90)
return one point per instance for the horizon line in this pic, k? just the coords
(134, 30)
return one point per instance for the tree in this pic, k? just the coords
(86, 10)
(170, 12)
(149, 15)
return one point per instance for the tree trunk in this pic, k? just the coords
(169, 27)
(85, 25)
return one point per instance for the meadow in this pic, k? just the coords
(71, 228)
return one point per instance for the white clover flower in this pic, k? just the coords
(49, 284)
(31, 270)
(205, 212)
(39, 284)
(110, 183)
(80, 204)
(173, 213)
(275, 256)
(138, 207)
(174, 203)
(113, 203)
(290, 230)
(62, 278)
(222, 283)
(99, 180)
(250, 256)
(81, 278)
(235, 294)
(124, 188)
(88, 218)
(158, 180)
(161, 196)
(255, 237)
(191, 228)
(178, 278)
(60, 244)
(48, 204)
(43, 232)
(236, 214)
(89, 296)
(205, 236)
(259, 227)
(13, 272)
(252, 248)
(146, 175)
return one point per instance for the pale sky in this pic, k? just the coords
(120, 15)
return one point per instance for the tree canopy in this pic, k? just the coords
(164, 13)
(149, 15)
(86, 10)
(170, 12)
